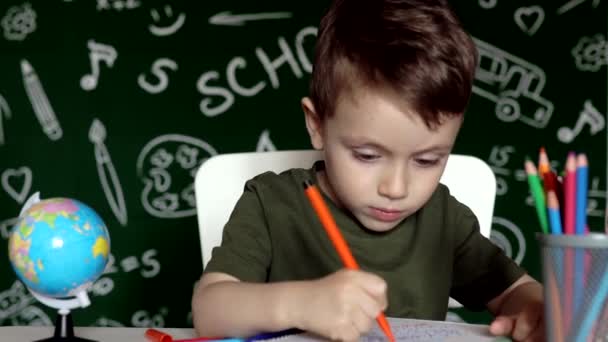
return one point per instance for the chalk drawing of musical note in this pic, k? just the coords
(107, 173)
(97, 53)
(589, 115)
(40, 103)
(6, 112)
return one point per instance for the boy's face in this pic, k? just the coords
(382, 163)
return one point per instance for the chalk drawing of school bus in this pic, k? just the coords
(513, 84)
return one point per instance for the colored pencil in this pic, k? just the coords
(594, 310)
(569, 228)
(582, 168)
(536, 189)
(331, 228)
(555, 221)
(570, 194)
(580, 224)
(556, 308)
(550, 180)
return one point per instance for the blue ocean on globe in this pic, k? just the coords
(59, 247)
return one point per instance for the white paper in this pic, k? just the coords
(411, 330)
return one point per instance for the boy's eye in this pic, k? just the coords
(427, 162)
(365, 156)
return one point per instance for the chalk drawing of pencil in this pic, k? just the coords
(6, 112)
(40, 103)
(107, 173)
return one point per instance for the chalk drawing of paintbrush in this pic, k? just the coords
(107, 174)
(40, 103)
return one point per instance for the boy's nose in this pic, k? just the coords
(394, 184)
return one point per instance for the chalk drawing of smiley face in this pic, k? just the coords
(167, 166)
(169, 29)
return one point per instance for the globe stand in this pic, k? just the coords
(64, 326)
(64, 329)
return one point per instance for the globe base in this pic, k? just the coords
(64, 330)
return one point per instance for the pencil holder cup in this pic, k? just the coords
(575, 279)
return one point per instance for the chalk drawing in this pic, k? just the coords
(160, 74)
(502, 226)
(147, 264)
(591, 53)
(143, 318)
(106, 322)
(514, 84)
(573, 3)
(219, 99)
(19, 22)
(97, 53)
(529, 19)
(229, 19)
(39, 101)
(6, 226)
(487, 4)
(588, 116)
(110, 183)
(117, 5)
(23, 177)
(264, 143)
(166, 30)
(5, 112)
(166, 166)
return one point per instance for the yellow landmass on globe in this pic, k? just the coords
(101, 246)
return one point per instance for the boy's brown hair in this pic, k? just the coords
(416, 47)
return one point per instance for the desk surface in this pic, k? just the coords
(105, 334)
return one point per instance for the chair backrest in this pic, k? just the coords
(220, 181)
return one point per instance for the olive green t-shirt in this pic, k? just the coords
(274, 235)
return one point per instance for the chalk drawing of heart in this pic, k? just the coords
(529, 19)
(23, 176)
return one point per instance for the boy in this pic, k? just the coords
(390, 84)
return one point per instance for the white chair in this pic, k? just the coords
(220, 181)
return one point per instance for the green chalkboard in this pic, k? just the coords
(116, 103)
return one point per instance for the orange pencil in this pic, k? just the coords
(550, 180)
(330, 226)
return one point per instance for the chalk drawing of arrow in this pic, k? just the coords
(6, 112)
(227, 18)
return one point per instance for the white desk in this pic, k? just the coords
(29, 334)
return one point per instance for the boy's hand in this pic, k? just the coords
(527, 326)
(342, 305)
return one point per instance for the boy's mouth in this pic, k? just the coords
(386, 215)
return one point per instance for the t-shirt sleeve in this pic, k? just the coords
(245, 251)
(482, 271)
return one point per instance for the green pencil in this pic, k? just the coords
(538, 194)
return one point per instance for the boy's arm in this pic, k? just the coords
(341, 306)
(519, 311)
(525, 291)
(224, 306)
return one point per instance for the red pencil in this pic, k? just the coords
(330, 226)
(570, 194)
(550, 181)
(569, 228)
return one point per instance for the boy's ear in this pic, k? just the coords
(313, 124)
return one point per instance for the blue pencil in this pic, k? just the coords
(582, 175)
(582, 170)
(594, 310)
(555, 222)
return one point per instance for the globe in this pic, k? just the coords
(59, 247)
